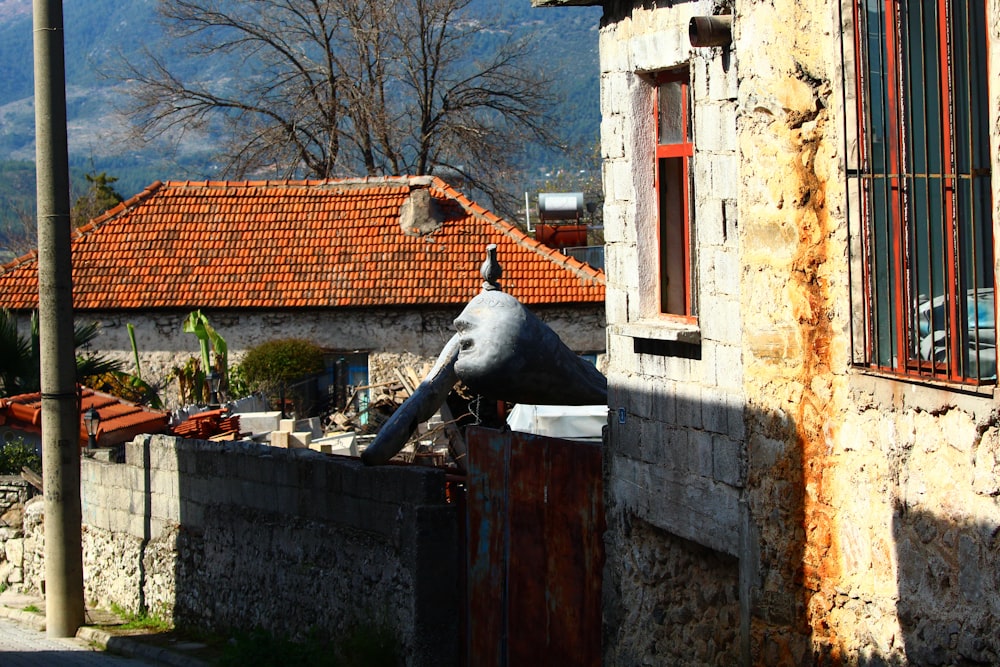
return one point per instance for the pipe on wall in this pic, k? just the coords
(711, 30)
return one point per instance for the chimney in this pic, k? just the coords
(420, 214)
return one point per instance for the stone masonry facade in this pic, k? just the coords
(14, 493)
(768, 502)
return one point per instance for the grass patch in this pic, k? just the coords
(33, 608)
(141, 621)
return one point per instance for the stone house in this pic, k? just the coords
(803, 461)
(373, 270)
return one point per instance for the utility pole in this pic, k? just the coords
(64, 605)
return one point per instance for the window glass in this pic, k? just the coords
(671, 112)
(675, 284)
(927, 245)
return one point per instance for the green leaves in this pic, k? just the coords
(20, 359)
(197, 324)
(16, 368)
(279, 362)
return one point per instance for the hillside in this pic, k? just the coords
(101, 32)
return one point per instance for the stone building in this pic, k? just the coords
(803, 461)
(372, 270)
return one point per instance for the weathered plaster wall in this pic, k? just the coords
(390, 337)
(862, 512)
(882, 534)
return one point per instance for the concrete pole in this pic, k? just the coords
(64, 605)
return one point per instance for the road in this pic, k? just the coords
(23, 646)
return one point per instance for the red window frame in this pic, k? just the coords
(915, 192)
(675, 286)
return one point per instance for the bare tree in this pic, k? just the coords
(330, 88)
(21, 236)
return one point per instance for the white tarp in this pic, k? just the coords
(572, 422)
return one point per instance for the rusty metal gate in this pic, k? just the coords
(535, 550)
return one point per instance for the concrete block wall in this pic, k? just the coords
(659, 368)
(240, 535)
(675, 458)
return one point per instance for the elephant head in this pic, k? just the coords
(501, 351)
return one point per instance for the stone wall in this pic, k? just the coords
(244, 536)
(858, 514)
(14, 493)
(410, 336)
(674, 602)
(874, 527)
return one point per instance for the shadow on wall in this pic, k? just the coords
(948, 581)
(674, 586)
(674, 470)
(947, 572)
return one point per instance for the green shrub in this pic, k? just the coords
(237, 385)
(16, 454)
(362, 647)
(277, 362)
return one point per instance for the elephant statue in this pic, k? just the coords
(501, 351)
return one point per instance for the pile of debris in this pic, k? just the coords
(438, 442)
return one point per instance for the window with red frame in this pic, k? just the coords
(674, 149)
(923, 178)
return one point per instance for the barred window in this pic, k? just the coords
(922, 209)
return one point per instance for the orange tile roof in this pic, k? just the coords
(120, 421)
(309, 244)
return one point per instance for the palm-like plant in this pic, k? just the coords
(15, 356)
(20, 359)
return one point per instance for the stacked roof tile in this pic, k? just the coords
(310, 244)
(210, 424)
(120, 421)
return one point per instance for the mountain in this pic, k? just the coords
(99, 33)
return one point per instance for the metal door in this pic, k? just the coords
(535, 550)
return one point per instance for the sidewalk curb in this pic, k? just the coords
(107, 641)
(28, 618)
(133, 649)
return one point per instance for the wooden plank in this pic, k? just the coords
(32, 477)
(403, 380)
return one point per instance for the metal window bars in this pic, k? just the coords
(922, 176)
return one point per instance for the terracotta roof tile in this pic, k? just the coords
(120, 421)
(315, 244)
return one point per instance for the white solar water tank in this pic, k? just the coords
(560, 205)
